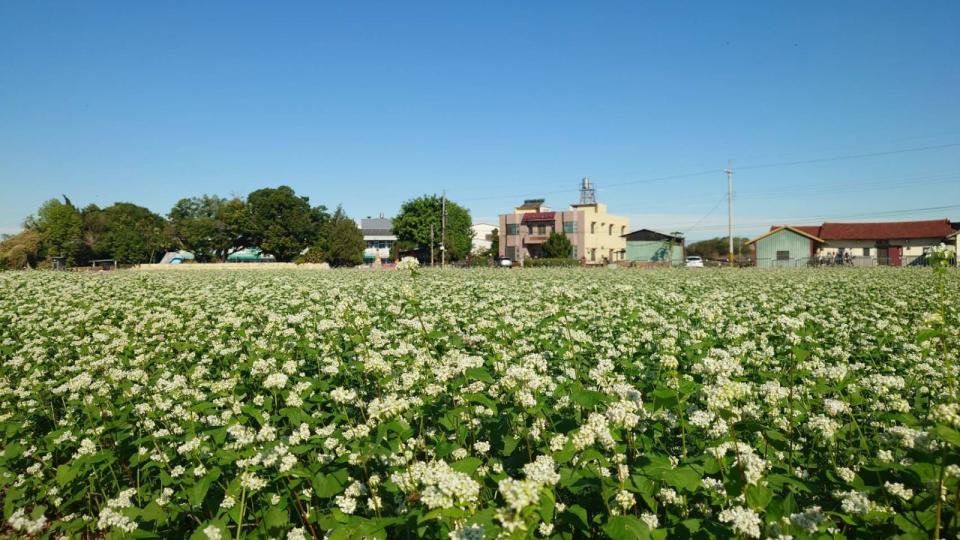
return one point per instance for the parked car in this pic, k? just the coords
(694, 261)
(504, 262)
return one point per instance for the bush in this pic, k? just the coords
(313, 255)
(545, 262)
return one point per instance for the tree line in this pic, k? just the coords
(276, 220)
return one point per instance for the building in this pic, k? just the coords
(597, 237)
(482, 237)
(650, 247)
(379, 238)
(250, 255)
(898, 243)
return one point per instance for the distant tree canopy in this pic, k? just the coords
(557, 246)
(341, 241)
(282, 223)
(412, 226)
(133, 234)
(20, 250)
(276, 220)
(716, 248)
(210, 227)
(60, 226)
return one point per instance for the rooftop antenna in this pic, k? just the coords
(588, 195)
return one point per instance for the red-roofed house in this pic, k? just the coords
(895, 243)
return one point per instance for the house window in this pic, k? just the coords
(573, 252)
(611, 230)
(569, 227)
(623, 230)
(593, 227)
(511, 252)
(513, 229)
(866, 252)
(593, 254)
(541, 229)
(783, 255)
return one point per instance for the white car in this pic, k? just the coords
(505, 263)
(694, 261)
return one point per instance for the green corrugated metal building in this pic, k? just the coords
(250, 255)
(646, 246)
(784, 247)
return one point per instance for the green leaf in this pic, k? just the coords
(683, 478)
(466, 465)
(480, 374)
(276, 517)
(947, 434)
(579, 514)
(66, 473)
(547, 504)
(626, 528)
(758, 497)
(199, 490)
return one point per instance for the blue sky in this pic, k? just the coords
(371, 103)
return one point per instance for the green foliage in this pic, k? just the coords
(412, 226)
(557, 246)
(61, 230)
(531, 404)
(495, 243)
(21, 250)
(209, 226)
(130, 234)
(547, 262)
(282, 223)
(341, 241)
(716, 248)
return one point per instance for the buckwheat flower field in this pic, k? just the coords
(480, 404)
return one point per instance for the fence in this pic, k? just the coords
(858, 261)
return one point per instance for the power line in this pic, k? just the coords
(849, 156)
(802, 220)
(705, 216)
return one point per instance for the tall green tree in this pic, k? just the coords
(341, 240)
(21, 250)
(557, 246)
(209, 226)
(61, 229)
(412, 225)
(130, 234)
(282, 223)
(495, 243)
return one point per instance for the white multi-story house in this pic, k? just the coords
(482, 237)
(378, 234)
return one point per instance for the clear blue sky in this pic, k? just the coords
(371, 103)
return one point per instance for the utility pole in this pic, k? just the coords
(443, 230)
(431, 245)
(729, 172)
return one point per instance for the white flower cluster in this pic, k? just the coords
(20, 522)
(743, 520)
(439, 485)
(112, 516)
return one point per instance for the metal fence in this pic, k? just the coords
(858, 261)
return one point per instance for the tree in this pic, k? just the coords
(210, 226)
(341, 241)
(61, 229)
(20, 250)
(281, 223)
(131, 234)
(495, 243)
(197, 226)
(716, 248)
(557, 246)
(412, 225)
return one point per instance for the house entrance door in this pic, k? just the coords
(896, 255)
